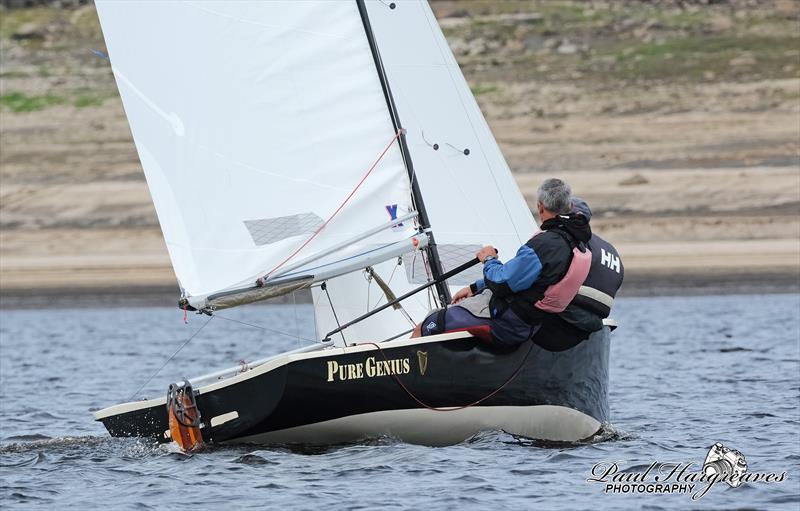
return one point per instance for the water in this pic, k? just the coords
(686, 372)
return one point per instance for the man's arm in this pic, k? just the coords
(518, 274)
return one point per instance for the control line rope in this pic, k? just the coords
(454, 408)
(170, 358)
(342, 205)
(195, 335)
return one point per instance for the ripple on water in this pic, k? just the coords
(23, 460)
(253, 459)
(725, 372)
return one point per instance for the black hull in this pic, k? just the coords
(337, 395)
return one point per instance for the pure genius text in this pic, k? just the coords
(370, 368)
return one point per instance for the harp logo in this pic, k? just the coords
(422, 358)
(392, 210)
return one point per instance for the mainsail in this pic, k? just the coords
(272, 149)
(254, 121)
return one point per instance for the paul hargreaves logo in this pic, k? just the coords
(721, 465)
(723, 461)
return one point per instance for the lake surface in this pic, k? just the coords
(685, 373)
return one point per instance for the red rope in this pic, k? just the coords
(454, 408)
(342, 205)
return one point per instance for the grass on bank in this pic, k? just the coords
(623, 41)
(19, 102)
(13, 20)
(479, 89)
(698, 58)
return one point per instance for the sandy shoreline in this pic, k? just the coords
(637, 284)
(682, 133)
(131, 267)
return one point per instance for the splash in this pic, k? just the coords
(130, 448)
(606, 433)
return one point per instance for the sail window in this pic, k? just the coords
(270, 230)
(451, 256)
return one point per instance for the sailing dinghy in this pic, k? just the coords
(294, 145)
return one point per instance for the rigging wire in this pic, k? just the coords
(296, 325)
(170, 358)
(324, 287)
(368, 277)
(279, 332)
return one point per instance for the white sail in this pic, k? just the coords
(254, 122)
(472, 199)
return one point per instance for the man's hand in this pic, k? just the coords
(485, 252)
(464, 293)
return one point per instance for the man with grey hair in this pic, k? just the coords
(554, 195)
(504, 307)
(593, 302)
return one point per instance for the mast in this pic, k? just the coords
(433, 254)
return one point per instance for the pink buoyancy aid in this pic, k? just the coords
(557, 296)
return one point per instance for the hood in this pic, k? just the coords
(576, 225)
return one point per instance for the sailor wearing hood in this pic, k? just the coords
(508, 304)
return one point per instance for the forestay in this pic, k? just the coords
(254, 121)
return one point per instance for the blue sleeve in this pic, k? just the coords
(480, 285)
(518, 274)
